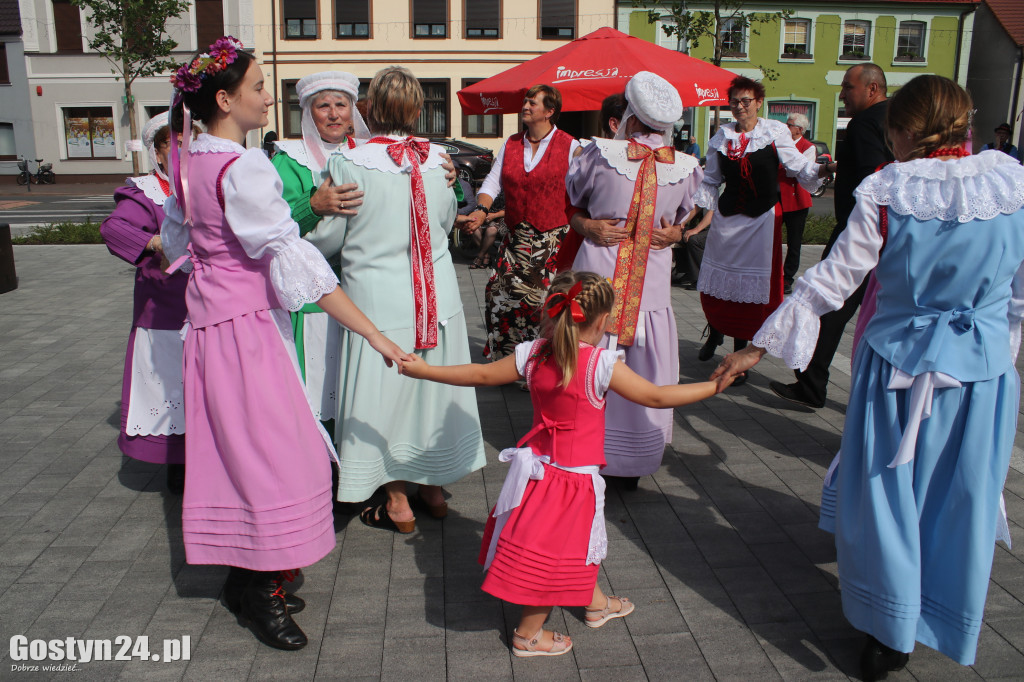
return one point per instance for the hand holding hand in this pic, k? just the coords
(331, 199)
(604, 232)
(735, 364)
(387, 348)
(414, 366)
(668, 235)
(475, 221)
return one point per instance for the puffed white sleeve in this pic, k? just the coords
(174, 235)
(791, 332)
(603, 371)
(492, 183)
(262, 222)
(707, 194)
(1016, 312)
(797, 165)
(523, 352)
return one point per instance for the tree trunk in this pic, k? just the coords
(133, 124)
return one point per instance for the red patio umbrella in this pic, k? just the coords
(590, 68)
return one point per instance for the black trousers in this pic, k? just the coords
(794, 222)
(692, 253)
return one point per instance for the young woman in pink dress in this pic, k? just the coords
(529, 559)
(258, 482)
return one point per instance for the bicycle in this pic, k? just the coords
(44, 174)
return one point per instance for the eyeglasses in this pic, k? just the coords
(745, 102)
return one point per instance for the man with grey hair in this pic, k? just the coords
(795, 200)
(862, 151)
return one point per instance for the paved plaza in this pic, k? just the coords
(720, 549)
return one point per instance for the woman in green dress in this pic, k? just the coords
(329, 122)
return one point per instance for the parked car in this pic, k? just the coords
(472, 162)
(824, 156)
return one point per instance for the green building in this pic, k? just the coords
(806, 55)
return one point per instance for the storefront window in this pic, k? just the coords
(782, 110)
(89, 133)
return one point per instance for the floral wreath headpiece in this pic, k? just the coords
(189, 76)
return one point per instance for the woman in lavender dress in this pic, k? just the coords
(152, 418)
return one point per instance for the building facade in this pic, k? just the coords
(15, 114)
(447, 44)
(996, 75)
(79, 117)
(806, 55)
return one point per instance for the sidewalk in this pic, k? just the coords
(719, 550)
(84, 189)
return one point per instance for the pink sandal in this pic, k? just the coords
(523, 647)
(595, 618)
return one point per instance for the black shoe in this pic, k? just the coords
(690, 286)
(794, 393)
(238, 578)
(263, 610)
(176, 478)
(787, 288)
(877, 660)
(715, 339)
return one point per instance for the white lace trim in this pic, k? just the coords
(763, 135)
(375, 156)
(736, 285)
(707, 196)
(150, 186)
(210, 144)
(300, 275)
(791, 332)
(978, 187)
(296, 150)
(614, 152)
(155, 395)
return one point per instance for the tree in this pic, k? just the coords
(718, 22)
(130, 34)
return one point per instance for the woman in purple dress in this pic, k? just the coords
(152, 416)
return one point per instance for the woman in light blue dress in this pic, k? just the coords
(395, 265)
(934, 396)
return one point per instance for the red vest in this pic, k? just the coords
(792, 196)
(538, 197)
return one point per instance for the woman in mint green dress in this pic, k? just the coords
(330, 122)
(396, 267)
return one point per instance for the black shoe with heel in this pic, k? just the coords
(715, 339)
(237, 580)
(263, 610)
(877, 660)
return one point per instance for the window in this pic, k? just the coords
(781, 110)
(209, 22)
(7, 148)
(480, 126)
(797, 39)
(89, 133)
(5, 76)
(430, 18)
(733, 38)
(351, 19)
(67, 24)
(856, 40)
(154, 110)
(299, 19)
(292, 111)
(557, 19)
(483, 19)
(910, 42)
(433, 120)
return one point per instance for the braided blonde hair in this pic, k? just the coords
(934, 110)
(595, 298)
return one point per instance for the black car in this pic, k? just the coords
(472, 162)
(824, 156)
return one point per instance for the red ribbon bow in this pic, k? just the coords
(568, 299)
(424, 293)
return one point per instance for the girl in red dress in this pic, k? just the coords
(546, 536)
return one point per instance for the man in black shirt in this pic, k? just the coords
(862, 151)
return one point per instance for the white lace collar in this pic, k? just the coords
(614, 152)
(763, 135)
(974, 187)
(210, 144)
(296, 150)
(375, 156)
(150, 186)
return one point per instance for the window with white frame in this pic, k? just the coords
(89, 133)
(351, 19)
(856, 40)
(8, 150)
(300, 19)
(910, 41)
(797, 38)
(430, 18)
(733, 38)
